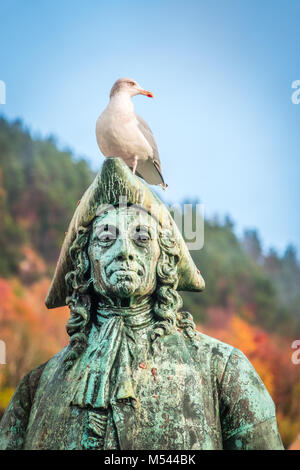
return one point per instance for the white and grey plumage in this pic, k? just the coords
(122, 133)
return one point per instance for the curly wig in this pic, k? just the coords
(167, 301)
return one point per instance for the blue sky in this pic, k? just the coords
(221, 72)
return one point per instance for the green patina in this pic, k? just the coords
(136, 374)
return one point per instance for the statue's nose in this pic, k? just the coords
(125, 251)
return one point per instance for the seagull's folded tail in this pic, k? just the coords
(148, 170)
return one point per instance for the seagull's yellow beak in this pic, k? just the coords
(147, 93)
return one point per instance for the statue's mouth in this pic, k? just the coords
(127, 273)
(123, 271)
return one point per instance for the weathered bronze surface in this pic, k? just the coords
(136, 374)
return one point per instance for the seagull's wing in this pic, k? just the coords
(150, 169)
(147, 133)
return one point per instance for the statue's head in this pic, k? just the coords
(123, 258)
(121, 254)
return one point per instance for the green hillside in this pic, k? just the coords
(39, 189)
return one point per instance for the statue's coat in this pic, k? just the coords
(200, 394)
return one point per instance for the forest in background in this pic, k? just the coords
(251, 300)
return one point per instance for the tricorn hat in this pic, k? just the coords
(115, 182)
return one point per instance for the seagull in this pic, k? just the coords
(120, 132)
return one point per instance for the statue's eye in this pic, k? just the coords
(107, 234)
(141, 235)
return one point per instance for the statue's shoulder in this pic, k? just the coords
(213, 348)
(51, 366)
(15, 419)
(227, 365)
(32, 379)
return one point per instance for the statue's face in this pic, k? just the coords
(123, 252)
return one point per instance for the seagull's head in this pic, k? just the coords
(130, 87)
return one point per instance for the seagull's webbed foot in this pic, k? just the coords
(134, 165)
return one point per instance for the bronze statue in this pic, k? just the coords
(136, 374)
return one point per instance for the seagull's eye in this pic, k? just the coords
(131, 83)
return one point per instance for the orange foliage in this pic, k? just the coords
(32, 264)
(32, 333)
